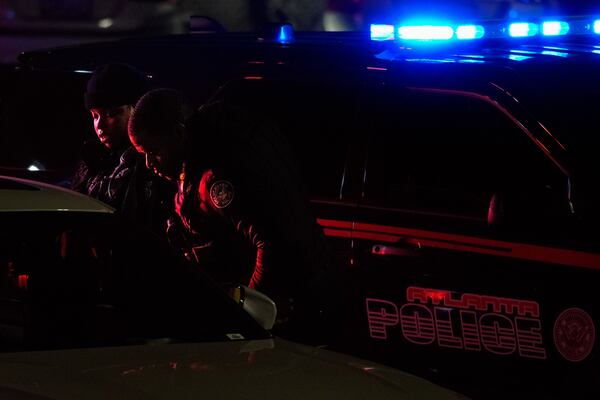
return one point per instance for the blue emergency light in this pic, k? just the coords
(468, 32)
(382, 32)
(425, 32)
(436, 32)
(555, 28)
(285, 34)
(281, 33)
(522, 29)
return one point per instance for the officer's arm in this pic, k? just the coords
(258, 241)
(220, 196)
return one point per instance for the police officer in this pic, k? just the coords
(109, 168)
(238, 186)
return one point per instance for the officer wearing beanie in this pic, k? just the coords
(110, 169)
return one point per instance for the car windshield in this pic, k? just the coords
(84, 280)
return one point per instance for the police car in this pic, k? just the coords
(452, 167)
(90, 308)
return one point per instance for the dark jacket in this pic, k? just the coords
(241, 185)
(121, 180)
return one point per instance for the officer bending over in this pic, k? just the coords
(238, 184)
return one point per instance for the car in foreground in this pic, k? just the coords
(90, 308)
(455, 179)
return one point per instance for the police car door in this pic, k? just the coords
(456, 235)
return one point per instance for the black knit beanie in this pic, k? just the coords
(114, 85)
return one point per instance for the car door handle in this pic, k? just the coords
(403, 249)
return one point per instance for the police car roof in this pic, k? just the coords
(339, 54)
(323, 50)
(523, 67)
(18, 195)
(555, 79)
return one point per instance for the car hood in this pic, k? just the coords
(265, 369)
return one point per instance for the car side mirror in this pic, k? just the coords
(259, 306)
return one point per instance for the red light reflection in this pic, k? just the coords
(23, 279)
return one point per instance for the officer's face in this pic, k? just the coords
(110, 125)
(161, 154)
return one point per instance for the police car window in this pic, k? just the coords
(87, 281)
(316, 119)
(447, 154)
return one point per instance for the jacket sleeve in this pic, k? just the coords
(218, 195)
(89, 161)
(256, 240)
(80, 180)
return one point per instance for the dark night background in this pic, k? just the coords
(32, 24)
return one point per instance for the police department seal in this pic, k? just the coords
(574, 334)
(221, 193)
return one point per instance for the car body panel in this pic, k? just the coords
(18, 194)
(52, 303)
(268, 369)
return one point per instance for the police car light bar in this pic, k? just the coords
(492, 30)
